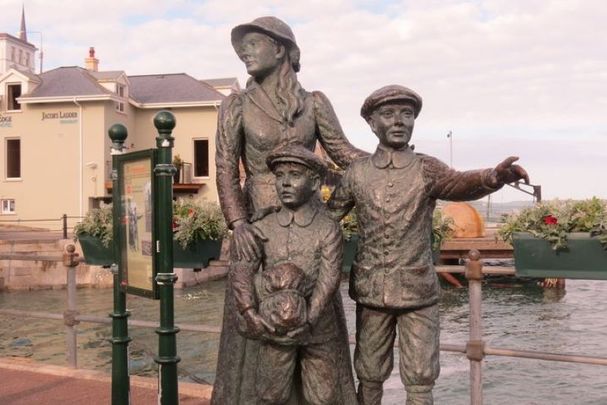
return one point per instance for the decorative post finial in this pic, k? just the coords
(117, 134)
(164, 121)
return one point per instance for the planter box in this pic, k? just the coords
(196, 256)
(94, 251)
(584, 258)
(350, 249)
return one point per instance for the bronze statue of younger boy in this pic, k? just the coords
(393, 282)
(289, 300)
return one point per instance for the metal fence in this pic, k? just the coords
(58, 228)
(475, 348)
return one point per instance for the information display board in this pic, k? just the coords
(137, 228)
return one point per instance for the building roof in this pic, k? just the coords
(222, 82)
(68, 81)
(171, 88)
(107, 75)
(32, 76)
(4, 35)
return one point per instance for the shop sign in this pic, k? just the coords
(64, 117)
(6, 121)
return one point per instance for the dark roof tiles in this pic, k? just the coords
(171, 88)
(68, 81)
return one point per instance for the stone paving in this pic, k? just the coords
(26, 382)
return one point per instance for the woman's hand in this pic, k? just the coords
(247, 241)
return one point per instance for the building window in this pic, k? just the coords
(20, 56)
(27, 59)
(13, 93)
(120, 90)
(13, 158)
(8, 206)
(12, 53)
(201, 158)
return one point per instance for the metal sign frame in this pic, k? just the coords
(137, 211)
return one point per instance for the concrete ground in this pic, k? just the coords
(25, 382)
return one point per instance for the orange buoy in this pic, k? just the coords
(468, 223)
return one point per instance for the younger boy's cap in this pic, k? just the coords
(393, 92)
(296, 153)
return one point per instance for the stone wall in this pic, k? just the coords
(43, 274)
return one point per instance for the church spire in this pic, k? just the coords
(22, 30)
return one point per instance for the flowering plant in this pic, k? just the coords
(98, 224)
(552, 221)
(193, 221)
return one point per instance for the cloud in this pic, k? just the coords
(531, 72)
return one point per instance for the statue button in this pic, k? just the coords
(390, 184)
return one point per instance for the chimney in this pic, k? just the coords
(91, 63)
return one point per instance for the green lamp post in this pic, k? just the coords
(120, 334)
(167, 358)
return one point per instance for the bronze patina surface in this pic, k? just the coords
(273, 110)
(393, 282)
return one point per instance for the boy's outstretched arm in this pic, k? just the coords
(445, 183)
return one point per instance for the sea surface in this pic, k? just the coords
(515, 315)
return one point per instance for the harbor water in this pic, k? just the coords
(516, 316)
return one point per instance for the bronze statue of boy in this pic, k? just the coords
(393, 282)
(288, 298)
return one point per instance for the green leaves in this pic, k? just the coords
(194, 221)
(349, 225)
(97, 223)
(552, 221)
(442, 229)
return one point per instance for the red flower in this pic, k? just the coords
(550, 220)
(175, 224)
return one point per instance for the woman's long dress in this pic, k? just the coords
(249, 128)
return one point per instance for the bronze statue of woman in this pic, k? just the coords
(273, 110)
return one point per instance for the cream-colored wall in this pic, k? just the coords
(191, 123)
(50, 165)
(48, 187)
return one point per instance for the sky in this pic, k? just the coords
(524, 78)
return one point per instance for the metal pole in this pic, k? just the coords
(64, 217)
(475, 346)
(120, 334)
(450, 136)
(167, 358)
(69, 316)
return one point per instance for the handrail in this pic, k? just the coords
(475, 349)
(63, 219)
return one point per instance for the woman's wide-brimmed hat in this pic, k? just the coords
(273, 27)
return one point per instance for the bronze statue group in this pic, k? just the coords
(284, 338)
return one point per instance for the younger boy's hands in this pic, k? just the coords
(300, 331)
(256, 324)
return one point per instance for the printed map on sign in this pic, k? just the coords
(137, 210)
